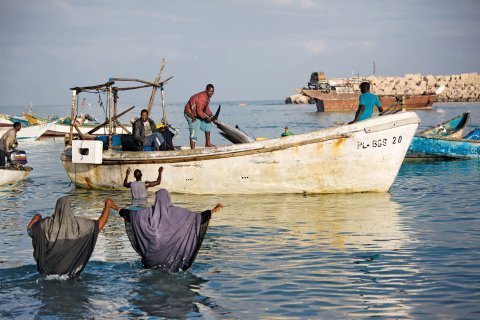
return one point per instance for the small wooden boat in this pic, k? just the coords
(452, 128)
(437, 143)
(443, 148)
(13, 174)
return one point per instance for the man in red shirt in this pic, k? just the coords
(199, 116)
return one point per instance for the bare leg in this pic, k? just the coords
(192, 144)
(207, 139)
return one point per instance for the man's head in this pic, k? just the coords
(17, 126)
(144, 114)
(137, 174)
(365, 87)
(209, 90)
(286, 129)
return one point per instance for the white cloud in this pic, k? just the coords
(293, 3)
(315, 46)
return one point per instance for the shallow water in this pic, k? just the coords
(411, 253)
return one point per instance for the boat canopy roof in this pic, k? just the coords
(111, 83)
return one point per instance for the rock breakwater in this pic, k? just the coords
(463, 87)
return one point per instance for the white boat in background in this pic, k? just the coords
(60, 130)
(29, 133)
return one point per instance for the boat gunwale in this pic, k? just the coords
(111, 157)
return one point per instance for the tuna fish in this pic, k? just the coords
(232, 134)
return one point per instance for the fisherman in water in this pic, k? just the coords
(139, 188)
(199, 116)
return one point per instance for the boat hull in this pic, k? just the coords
(331, 102)
(30, 133)
(13, 175)
(362, 157)
(429, 147)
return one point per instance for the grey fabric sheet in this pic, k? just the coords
(164, 235)
(63, 243)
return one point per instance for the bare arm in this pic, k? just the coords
(149, 184)
(359, 112)
(37, 217)
(109, 204)
(126, 184)
(217, 208)
(380, 109)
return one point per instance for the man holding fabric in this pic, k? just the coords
(199, 116)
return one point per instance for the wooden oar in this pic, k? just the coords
(106, 121)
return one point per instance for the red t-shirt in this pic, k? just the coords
(197, 106)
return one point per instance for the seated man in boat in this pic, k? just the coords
(63, 243)
(166, 236)
(8, 143)
(199, 116)
(144, 132)
(366, 103)
(139, 188)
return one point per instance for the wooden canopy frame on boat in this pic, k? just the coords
(112, 91)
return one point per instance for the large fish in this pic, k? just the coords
(232, 134)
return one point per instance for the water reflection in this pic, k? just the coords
(364, 220)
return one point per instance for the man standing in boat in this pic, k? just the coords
(144, 131)
(8, 143)
(199, 116)
(366, 103)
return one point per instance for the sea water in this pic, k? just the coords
(411, 253)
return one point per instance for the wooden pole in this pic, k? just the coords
(115, 96)
(164, 119)
(154, 89)
(72, 114)
(104, 123)
(110, 96)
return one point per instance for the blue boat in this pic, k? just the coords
(445, 141)
(452, 128)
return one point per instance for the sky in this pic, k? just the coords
(250, 50)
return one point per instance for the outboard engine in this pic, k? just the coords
(18, 157)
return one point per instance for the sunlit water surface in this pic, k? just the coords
(411, 253)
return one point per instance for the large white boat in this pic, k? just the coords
(361, 157)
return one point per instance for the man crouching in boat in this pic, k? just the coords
(144, 131)
(8, 143)
(199, 116)
(366, 103)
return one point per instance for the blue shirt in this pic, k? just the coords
(368, 100)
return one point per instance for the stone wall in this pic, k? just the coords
(450, 88)
(461, 87)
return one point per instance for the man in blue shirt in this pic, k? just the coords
(366, 103)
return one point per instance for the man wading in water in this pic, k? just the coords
(139, 188)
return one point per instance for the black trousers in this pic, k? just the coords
(2, 158)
